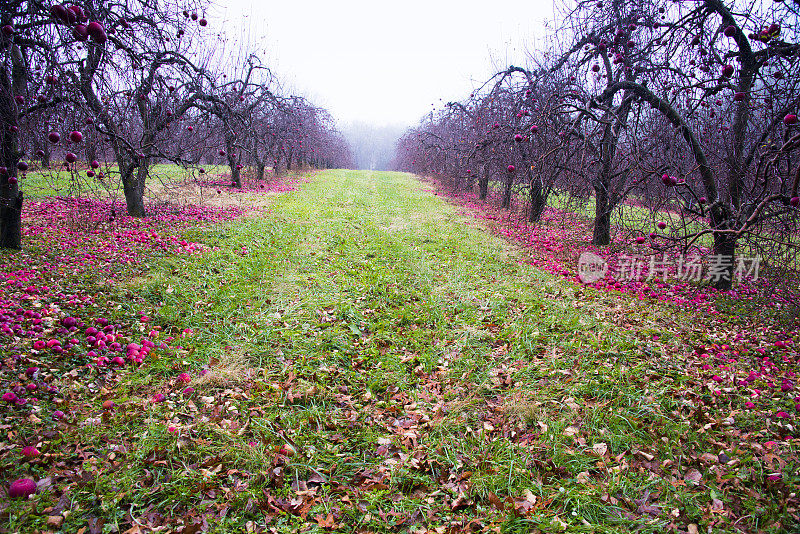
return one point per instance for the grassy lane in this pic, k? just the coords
(363, 358)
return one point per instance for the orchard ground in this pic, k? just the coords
(359, 354)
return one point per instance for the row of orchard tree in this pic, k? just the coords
(134, 83)
(685, 109)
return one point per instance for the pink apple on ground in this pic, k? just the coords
(30, 451)
(287, 450)
(22, 488)
(640, 240)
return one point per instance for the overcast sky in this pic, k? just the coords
(385, 62)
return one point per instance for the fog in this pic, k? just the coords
(373, 146)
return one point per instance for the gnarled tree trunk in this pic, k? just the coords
(507, 190)
(538, 198)
(133, 180)
(601, 234)
(483, 182)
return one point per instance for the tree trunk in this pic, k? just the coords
(538, 200)
(260, 171)
(483, 182)
(13, 83)
(601, 234)
(10, 195)
(722, 260)
(236, 178)
(507, 191)
(133, 181)
(10, 217)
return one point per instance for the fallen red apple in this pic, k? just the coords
(22, 488)
(30, 451)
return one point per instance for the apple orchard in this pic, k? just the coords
(142, 251)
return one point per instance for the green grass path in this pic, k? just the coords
(410, 372)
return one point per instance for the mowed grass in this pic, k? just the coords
(373, 361)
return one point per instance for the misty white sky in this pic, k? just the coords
(384, 62)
